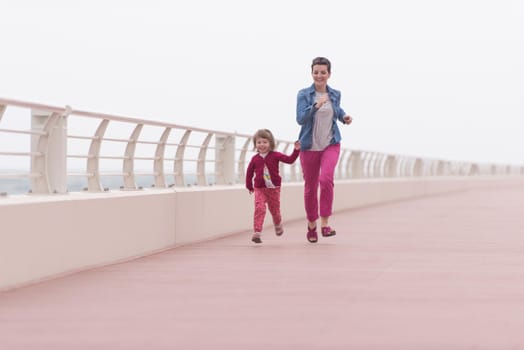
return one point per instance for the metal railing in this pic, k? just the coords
(60, 149)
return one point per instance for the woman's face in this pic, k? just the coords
(320, 74)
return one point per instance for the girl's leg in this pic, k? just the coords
(260, 210)
(310, 162)
(273, 204)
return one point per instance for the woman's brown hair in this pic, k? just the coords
(321, 61)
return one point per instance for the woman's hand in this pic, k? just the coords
(347, 119)
(321, 100)
(297, 145)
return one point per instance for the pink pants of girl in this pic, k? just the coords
(318, 168)
(271, 197)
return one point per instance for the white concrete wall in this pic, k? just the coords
(49, 236)
(42, 237)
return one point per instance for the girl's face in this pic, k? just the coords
(262, 145)
(320, 74)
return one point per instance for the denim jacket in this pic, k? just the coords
(306, 115)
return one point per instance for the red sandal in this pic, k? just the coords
(279, 230)
(328, 231)
(256, 238)
(312, 235)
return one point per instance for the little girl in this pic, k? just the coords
(264, 166)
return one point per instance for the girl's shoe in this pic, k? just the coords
(256, 238)
(279, 230)
(328, 231)
(312, 235)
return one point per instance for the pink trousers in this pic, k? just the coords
(318, 168)
(271, 197)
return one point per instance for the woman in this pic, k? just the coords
(318, 110)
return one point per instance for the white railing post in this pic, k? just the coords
(178, 166)
(2, 110)
(242, 161)
(160, 179)
(281, 165)
(201, 161)
(341, 166)
(49, 152)
(356, 164)
(474, 170)
(378, 165)
(93, 158)
(225, 159)
(129, 159)
(418, 167)
(390, 166)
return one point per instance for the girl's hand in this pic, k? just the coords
(347, 119)
(297, 145)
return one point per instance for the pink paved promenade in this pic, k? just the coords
(443, 273)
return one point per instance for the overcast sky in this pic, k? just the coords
(441, 79)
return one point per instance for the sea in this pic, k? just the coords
(17, 186)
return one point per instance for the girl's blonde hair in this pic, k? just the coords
(264, 134)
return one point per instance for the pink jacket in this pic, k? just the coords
(256, 167)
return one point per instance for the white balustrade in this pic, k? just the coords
(59, 144)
